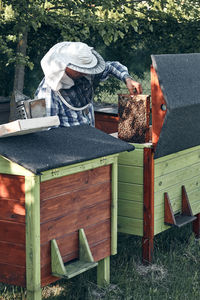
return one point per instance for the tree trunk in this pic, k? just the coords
(19, 75)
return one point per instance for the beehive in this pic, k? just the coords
(58, 205)
(158, 183)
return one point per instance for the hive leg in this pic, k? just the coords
(196, 226)
(32, 203)
(148, 210)
(103, 271)
(147, 250)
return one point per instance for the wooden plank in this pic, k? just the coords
(114, 207)
(159, 226)
(26, 126)
(130, 209)
(131, 192)
(175, 155)
(65, 184)
(158, 115)
(12, 187)
(148, 212)
(75, 220)
(14, 275)
(74, 201)
(177, 177)
(12, 232)
(32, 204)
(133, 158)
(130, 225)
(196, 226)
(68, 244)
(130, 174)
(103, 272)
(106, 122)
(174, 191)
(83, 166)
(9, 167)
(12, 254)
(193, 196)
(142, 146)
(178, 162)
(12, 211)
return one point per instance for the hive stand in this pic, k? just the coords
(57, 222)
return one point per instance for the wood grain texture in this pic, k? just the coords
(11, 274)
(133, 158)
(148, 223)
(12, 187)
(106, 122)
(158, 100)
(62, 185)
(81, 200)
(74, 201)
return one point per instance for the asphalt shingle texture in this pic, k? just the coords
(179, 79)
(45, 150)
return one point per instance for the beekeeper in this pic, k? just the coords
(71, 70)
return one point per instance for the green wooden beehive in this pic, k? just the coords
(159, 183)
(58, 206)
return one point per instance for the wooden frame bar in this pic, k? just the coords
(148, 222)
(32, 205)
(196, 226)
(103, 271)
(114, 207)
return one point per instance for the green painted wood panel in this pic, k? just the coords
(175, 190)
(159, 226)
(114, 207)
(130, 174)
(142, 146)
(171, 172)
(176, 177)
(131, 192)
(32, 204)
(9, 167)
(133, 158)
(130, 209)
(177, 154)
(80, 167)
(194, 198)
(130, 225)
(181, 160)
(103, 271)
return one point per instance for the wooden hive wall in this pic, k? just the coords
(171, 172)
(106, 122)
(12, 230)
(81, 200)
(130, 191)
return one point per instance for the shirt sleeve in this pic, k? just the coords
(115, 69)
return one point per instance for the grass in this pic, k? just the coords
(174, 273)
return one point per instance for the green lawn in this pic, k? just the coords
(174, 274)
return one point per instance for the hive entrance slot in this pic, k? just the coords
(186, 216)
(84, 263)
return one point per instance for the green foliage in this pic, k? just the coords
(128, 31)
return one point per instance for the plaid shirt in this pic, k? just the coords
(78, 95)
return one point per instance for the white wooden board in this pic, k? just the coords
(26, 126)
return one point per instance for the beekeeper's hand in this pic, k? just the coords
(134, 87)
